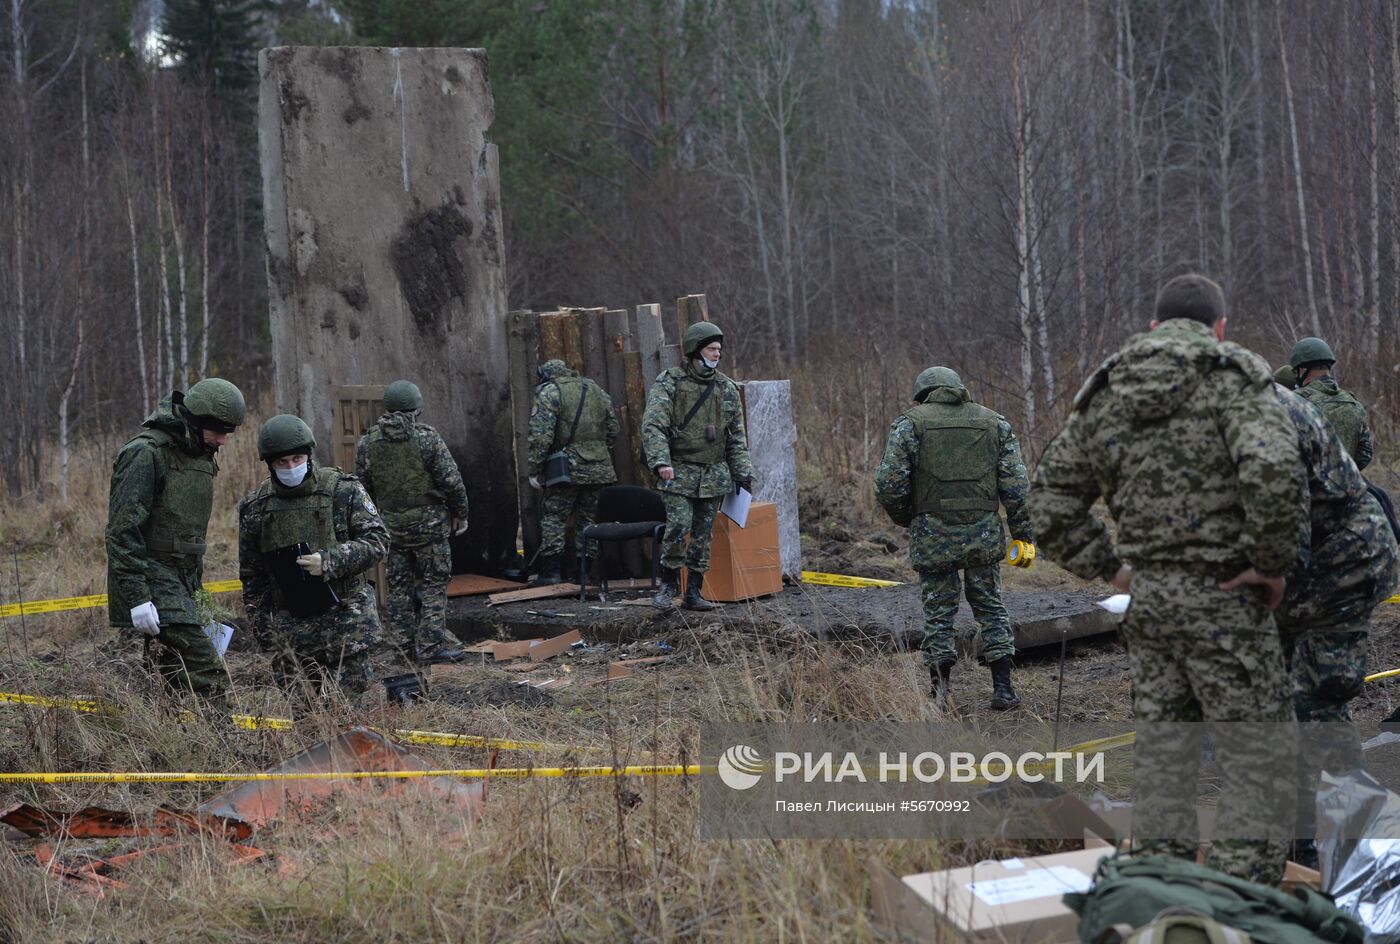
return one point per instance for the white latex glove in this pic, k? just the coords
(535, 483)
(459, 526)
(311, 563)
(145, 619)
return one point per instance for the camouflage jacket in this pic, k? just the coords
(544, 424)
(1349, 564)
(1335, 487)
(362, 541)
(434, 522)
(1345, 413)
(1185, 440)
(935, 544)
(695, 480)
(134, 576)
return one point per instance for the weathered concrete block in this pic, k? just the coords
(772, 445)
(385, 254)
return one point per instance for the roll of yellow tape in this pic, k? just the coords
(1020, 553)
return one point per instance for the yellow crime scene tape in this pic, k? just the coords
(257, 723)
(841, 580)
(473, 773)
(92, 601)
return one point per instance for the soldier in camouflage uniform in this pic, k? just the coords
(1325, 616)
(1183, 437)
(162, 494)
(949, 464)
(574, 415)
(406, 468)
(693, 439)
(1312, 360)
(1349, 570)
(302, 502)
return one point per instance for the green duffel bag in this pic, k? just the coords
(1133, 892)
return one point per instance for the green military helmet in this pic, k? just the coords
(402, 396)
(216, 404)
(1311, 351)
(698, 335)
(933, 377)
(284, 435)
(551, 370)
(1285, 376)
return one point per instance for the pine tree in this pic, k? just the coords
(215, 40)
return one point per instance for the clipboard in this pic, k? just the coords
(736, 506)
(302, 594)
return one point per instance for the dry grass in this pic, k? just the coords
(552, 860)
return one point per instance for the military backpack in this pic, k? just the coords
(1133, 894)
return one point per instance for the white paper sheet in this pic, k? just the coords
(1035, 883)
(1118, 603)
(736, 506)
(219, 634)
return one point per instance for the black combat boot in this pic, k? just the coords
(693, 600)
(1004, 697)
(939, 675)
(445, 654)
(551, 570)
(665, 598)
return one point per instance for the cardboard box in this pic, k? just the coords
(1013, 900)
(745, 562)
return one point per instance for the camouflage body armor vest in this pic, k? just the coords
(590, 441)
(402, 485)
(176, 527)
(956, 477)
(1343, 411)
(305, 514)
(702, 440)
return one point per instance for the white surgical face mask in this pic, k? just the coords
(711, 364)
(292, 477)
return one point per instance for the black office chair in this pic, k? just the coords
(626, 513)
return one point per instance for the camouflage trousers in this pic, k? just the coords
(1328, 668)
(560, 501)
(417, 597)
(692, 516)
(1197, 653)
(941, 590)
(310, 655)
(188, 662)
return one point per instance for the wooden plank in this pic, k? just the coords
(549, 648)
(573, 345)
(670, 356)
(648, 340)
(625, 667)
(503, 651)
(636, 400)
(551, 336)
(473, 585)
(623, 464)
(593, 345)
(534, 593)
(525, 342)
(690, 309)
